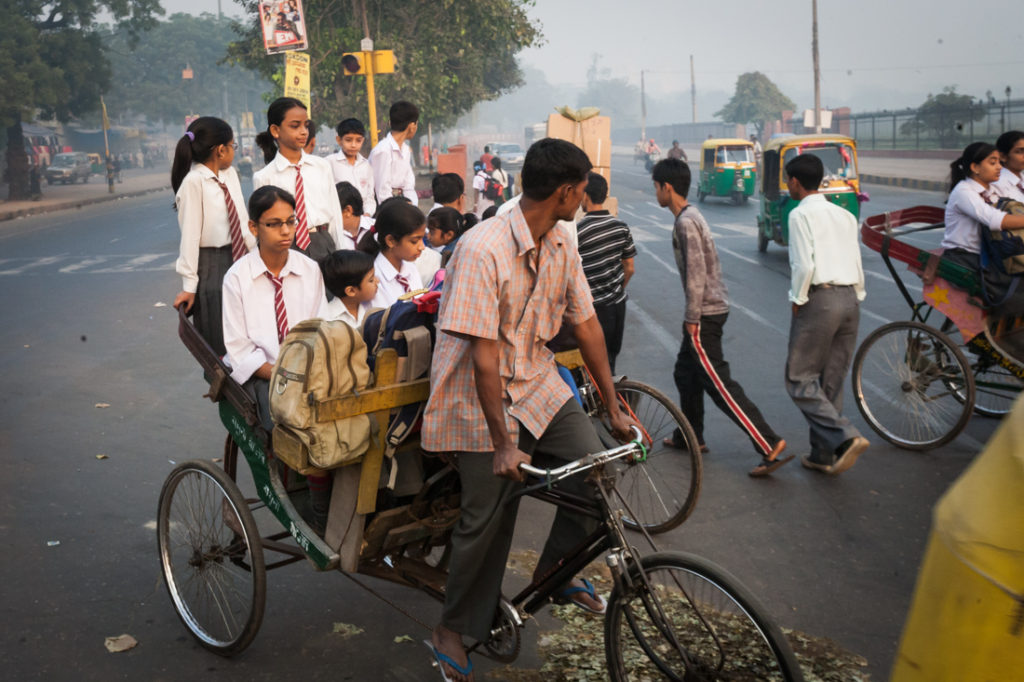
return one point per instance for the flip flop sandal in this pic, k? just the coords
(767, 466)
(678, 444)
(441, 660)
(565, 597)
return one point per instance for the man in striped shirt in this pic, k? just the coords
(606, 248)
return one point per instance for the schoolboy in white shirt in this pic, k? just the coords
(355, 223)
(348, 165)
(350, 276)
(392, 157)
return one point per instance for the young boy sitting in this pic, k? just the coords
(349, 165)
(355, 223)
(349, 275)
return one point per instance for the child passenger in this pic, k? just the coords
(354, 221)
(349, 165)
(444, 226)
(397, 241)
(213, 221)
(308, 178)
(350, 276)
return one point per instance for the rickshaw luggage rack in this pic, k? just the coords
(914, 384)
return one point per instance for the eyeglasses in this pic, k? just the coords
(232, 145)
(276, 224)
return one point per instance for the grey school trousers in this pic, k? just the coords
(822, 337)
(483, 534)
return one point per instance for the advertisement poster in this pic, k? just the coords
(284, 27)
(296, 77)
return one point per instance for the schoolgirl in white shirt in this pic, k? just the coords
(397, 241)
(213, 221)
(348, 165)
(1011, 153)
(319, 229)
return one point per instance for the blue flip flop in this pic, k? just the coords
(565, 597)
(440, 660)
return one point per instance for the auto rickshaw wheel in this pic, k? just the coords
(700, 196)
(211, 556)
(762, 238)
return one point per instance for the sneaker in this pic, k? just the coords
(848, 452)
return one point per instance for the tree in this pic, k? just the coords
(52, 62)
(756, 100)
(944, 116)
(450, 55)
(147, 79)
(614, 96)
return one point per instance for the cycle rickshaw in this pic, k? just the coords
(669, 614)
(917, 382)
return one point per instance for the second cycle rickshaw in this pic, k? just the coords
(670, 615)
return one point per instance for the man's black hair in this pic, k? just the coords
(673, 172)
(345, 268)
(401, 114)
(350, 126)
(550, 164)
(808, 171)
(597, 188)
(349, 195)
(447, 187)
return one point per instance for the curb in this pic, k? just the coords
(908, 183)
(76, 203)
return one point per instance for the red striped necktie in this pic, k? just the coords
(234, 225)
(279, 312)
(302, 230)
(401, 279)
(986, 196)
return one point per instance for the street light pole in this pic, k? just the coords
(643, 109)
(817, 70)
(1008, 126)
(693, 90)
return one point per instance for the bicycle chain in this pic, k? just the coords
(387, 601)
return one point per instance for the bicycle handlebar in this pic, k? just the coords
(589, 461)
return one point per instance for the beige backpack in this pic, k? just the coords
(319, 359)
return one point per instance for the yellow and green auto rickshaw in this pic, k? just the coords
(840, 184)
(727, 169)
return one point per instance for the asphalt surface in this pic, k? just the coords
(86, 296)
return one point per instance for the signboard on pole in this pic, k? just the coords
(283, 24)
(296, 76)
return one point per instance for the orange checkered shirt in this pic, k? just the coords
(497, 288)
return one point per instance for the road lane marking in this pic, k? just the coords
(87, 263)
(133, 264)
(668, 341)
(37, 263)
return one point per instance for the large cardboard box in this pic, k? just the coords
(593, 136)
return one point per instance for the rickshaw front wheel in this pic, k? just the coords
(211, 556)
(762, 238)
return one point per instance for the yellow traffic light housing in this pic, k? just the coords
(353, 63)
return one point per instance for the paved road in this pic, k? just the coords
(83, 297)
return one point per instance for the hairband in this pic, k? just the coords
(190, 135)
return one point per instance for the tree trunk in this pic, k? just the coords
(17, 162)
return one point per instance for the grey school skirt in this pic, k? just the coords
(321, 244)
(206, 311)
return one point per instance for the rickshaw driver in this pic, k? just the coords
(496, 398)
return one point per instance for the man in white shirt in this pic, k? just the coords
(826, 289)
(391, 159)
(348, 165)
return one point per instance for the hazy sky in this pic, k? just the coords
(874, 53)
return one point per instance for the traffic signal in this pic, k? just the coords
(352, 63)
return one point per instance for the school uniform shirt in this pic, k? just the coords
(966, 211)
(203, 218)
(482, 202)
(392, 169)
(336, 310)
(1010, 185)
(359, 174)
(388, 286)
(503, 286)
(428, 264)
(824, 248)
(348, 241)
(322, 205)
(250, 321)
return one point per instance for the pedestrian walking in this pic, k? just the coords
(608, 253)
(701, 366)
(391, 159)
(827, 286)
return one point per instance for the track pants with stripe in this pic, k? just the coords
(701, 367)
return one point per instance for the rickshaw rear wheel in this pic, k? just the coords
(762, 239)
(211, 556)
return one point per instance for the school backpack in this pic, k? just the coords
(492, 189)
(318, 359)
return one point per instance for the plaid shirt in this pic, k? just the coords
(497, 288)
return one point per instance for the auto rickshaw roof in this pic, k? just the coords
(726, 142)
(797, 140)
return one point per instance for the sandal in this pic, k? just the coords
(565, 597)
(675, 441)
(441, 660)
(767, 466)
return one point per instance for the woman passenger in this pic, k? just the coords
(1011, 152)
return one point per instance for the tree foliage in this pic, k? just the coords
(756, 101)
(616, 97)
(52, 62)
(450, 54)
(147, 79)
(943, 116)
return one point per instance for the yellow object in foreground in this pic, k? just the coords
(966, 621)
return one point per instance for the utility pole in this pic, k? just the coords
(643, 109)
(693, 90)
(817, 70)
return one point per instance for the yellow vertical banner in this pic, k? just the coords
(296, 76)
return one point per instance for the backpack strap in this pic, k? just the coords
(417, 362)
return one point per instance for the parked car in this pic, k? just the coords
(69, 167)
(510, 153)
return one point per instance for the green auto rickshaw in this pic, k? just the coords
(840, 184)
(727, 169)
